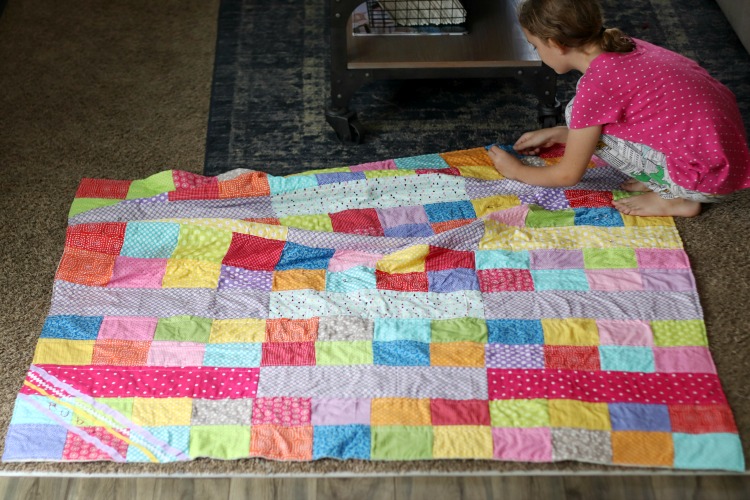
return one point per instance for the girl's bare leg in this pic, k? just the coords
(651, 204)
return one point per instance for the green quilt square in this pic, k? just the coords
(81, 205)
(358, 352)
(609, 258)
(202, 243)
(519, 413)
(541, 217)
(183, 329)
(123, 406)
(162, 182)
(676, 332)
(314, 222)
(401, 442)
(220, 441)
(459, 330)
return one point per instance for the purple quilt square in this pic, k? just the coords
(639, 417)
(452, 280)
(409, 231)
(556, 259)
(340, 411)
(514, 356)
(398, 216)
(336, 177)
(34, 442)
(550, 199)
(673, 280)
(238, 278)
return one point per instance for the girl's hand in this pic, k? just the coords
(531, 143)
(504, 162)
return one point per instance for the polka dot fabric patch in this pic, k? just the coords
(415, 308)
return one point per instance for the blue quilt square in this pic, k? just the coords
(452, 280)
(627, 358)
(708, 451)
(502, 259)
(452, 210)
(409, 231)
(235, 355)
(423, 161)
(560, 279)
(336, 177)
(71, 327)
(401, 353)
(296, 256)
(515, 331)
(639, 417)
(34, 442)
(341, 441)
(598, 216)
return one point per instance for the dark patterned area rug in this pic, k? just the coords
(271, 86)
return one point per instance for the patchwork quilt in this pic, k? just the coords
(417, 308)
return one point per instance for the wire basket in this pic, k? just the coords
(388, 14)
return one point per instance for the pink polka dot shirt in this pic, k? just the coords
(668, 102)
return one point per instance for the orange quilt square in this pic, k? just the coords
(467, 158)
(281, 443)
(643, 448)
(120, 352)
(292, 330)
(85, 268)
(400, 411)
(247, 185)
(299, 279)
(457, 354)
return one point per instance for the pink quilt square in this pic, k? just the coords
(340, 411)
(674, 280)
(612, 280)
(439, 258)
(163, 353)
(515, 216)
(130, 272)
(347, 259)
(658, 258)
(283, 411)
(398, 216)
(685, 359)
(288, 354)
(363, 221)
(375, 165)
(505, 280)
(460, 412)
(524, 445)
(76, 449)
(624, 332)
(128, 328)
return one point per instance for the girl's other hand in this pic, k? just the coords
(505, 163)
(531, 143)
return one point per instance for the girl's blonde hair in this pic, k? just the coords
(572, 23)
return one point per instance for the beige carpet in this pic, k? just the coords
(121, 90)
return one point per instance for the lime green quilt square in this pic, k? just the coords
(541, 217)
(674, 332)
(202, 243)
(220, 441)
(519, 413)
(183, 329)
(314, 222)
(401, 443)
(459, 330)
(609, 258)
(81, 205)
(358, 352)
(162, 182)
(372, 174)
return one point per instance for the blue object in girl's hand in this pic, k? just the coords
(505, 147)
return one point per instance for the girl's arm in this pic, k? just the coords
(579, 148)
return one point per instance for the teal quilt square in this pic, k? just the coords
(280, 185)
(560, 279)
(351, 280)
(391, 329)
(708, 451)
(502, 259)
(235, 355)
(176, 436)
(150, 240)
(423, 161)
(626, 358)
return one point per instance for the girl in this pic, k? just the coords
(654, 114)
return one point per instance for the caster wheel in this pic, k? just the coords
(548, 121)
(356, 132)
(348, 128)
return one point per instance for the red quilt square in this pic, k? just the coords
(103, 188)
(76, 449)
(402, 282)
(357, 221)
(101, 237)
(208, 191)
(439, 258)
(247, 185)
(701, 419)
(556, 151)
(444, 171)
(570, 357)
(288, 354)
(253, 252)
(588, 199)
(505, 280)
(464, 412)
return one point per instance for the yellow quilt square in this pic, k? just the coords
(237, 330)
(299, 279)
(63, 352)
(484, 206)
(191, 274)
(579, 414)
(457, 354)
(462, 441)
(408, 260)
(636, 220)
(571, 331)
(400, 411)
(480, 172)
(162, 411)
